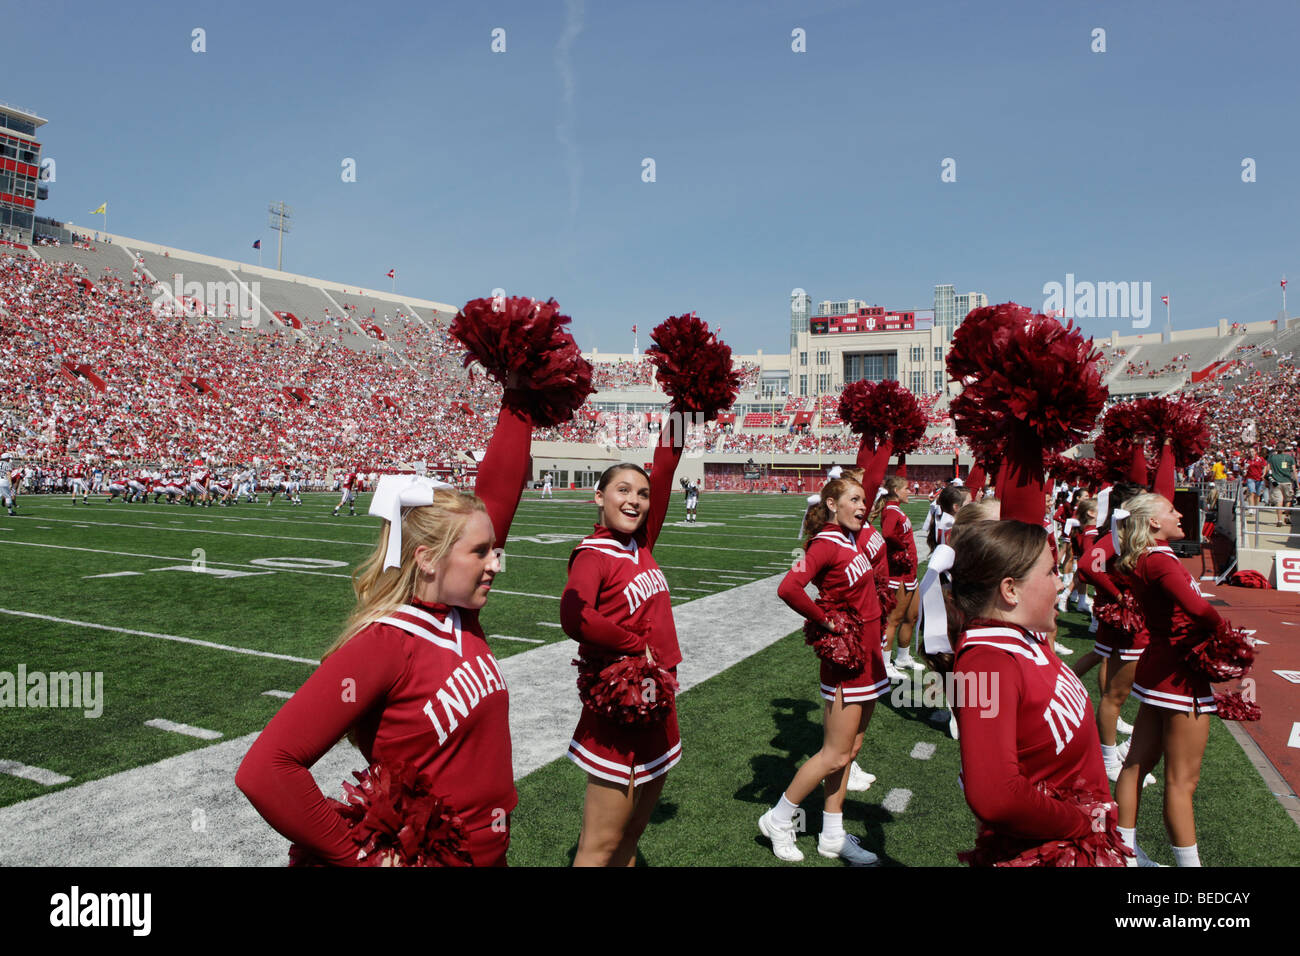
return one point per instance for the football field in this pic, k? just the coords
(187, 628)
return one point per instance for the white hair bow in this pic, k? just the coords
(834, 473)
(1118, 515)
(1103, 505)
(394, 493)
(933, 622)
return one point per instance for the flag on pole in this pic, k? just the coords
(634, 330)
(1164, 299)
(102, 210)
(258, 244)
(392, 273)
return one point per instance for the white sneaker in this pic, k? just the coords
(1060, 605)
(1123, 726)
(1142, 858)
(848, 849)
(892, 672)
(859, 779)
(782, 839)
(1112, 774)
(1084, 605)
(1121, 750)
(1062, 650)
(911, 663)
(952, 727)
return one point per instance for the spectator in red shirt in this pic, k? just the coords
(1255, 466)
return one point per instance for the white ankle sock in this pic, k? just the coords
(1186, 856)
(1129, 836)
(1108, 754)
(833, 826)
(903, 655)
(783, 812)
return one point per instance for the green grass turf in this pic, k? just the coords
(744, 730)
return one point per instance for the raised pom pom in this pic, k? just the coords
(1183, 422)
(523, 344)
(395, 819)
(1225, 655)
(1023, 375)
(883, 411)
(631, 690)
(693, 366)
(1236, 707)
(844, 647)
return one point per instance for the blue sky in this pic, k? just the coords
(773, 169)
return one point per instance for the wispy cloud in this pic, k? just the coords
(564, 129)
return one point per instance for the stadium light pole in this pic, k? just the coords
(280, 214)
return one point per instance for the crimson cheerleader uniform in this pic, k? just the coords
(1178, 616)
(1024, 719)
(616, 603)
(418, 686)
(1099, 552)
(900, 547)
(839, 564)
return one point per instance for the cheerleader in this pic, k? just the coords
(1173, 719)
(900, 554)
(421, 694)
(616, 603)
(835, 561)
(421, 686)
(938, 525)
(1031, 768)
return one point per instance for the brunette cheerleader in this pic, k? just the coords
(900, 553)
(616, 603)
(835, 562)
(1031, 768)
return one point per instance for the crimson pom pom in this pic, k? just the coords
(619, 691)
(524, 345)
(844, 647)
(1236, 707)
(1182, 422)
(1101, 846)
(887, 596)
(693, 366)
(883, 411)
(1023, 375)
(1225, 655)
(1113, 449)
(1124, 615)
(394, 818)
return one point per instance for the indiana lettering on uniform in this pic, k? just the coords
(1066, 710)
(857, 568)
(468, 686)
(643, 586)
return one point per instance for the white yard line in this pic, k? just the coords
(525, 640)
(282, 694)
(896, 800)
(161, 637)
(129, 818)
(186, 729)
(38, 774)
